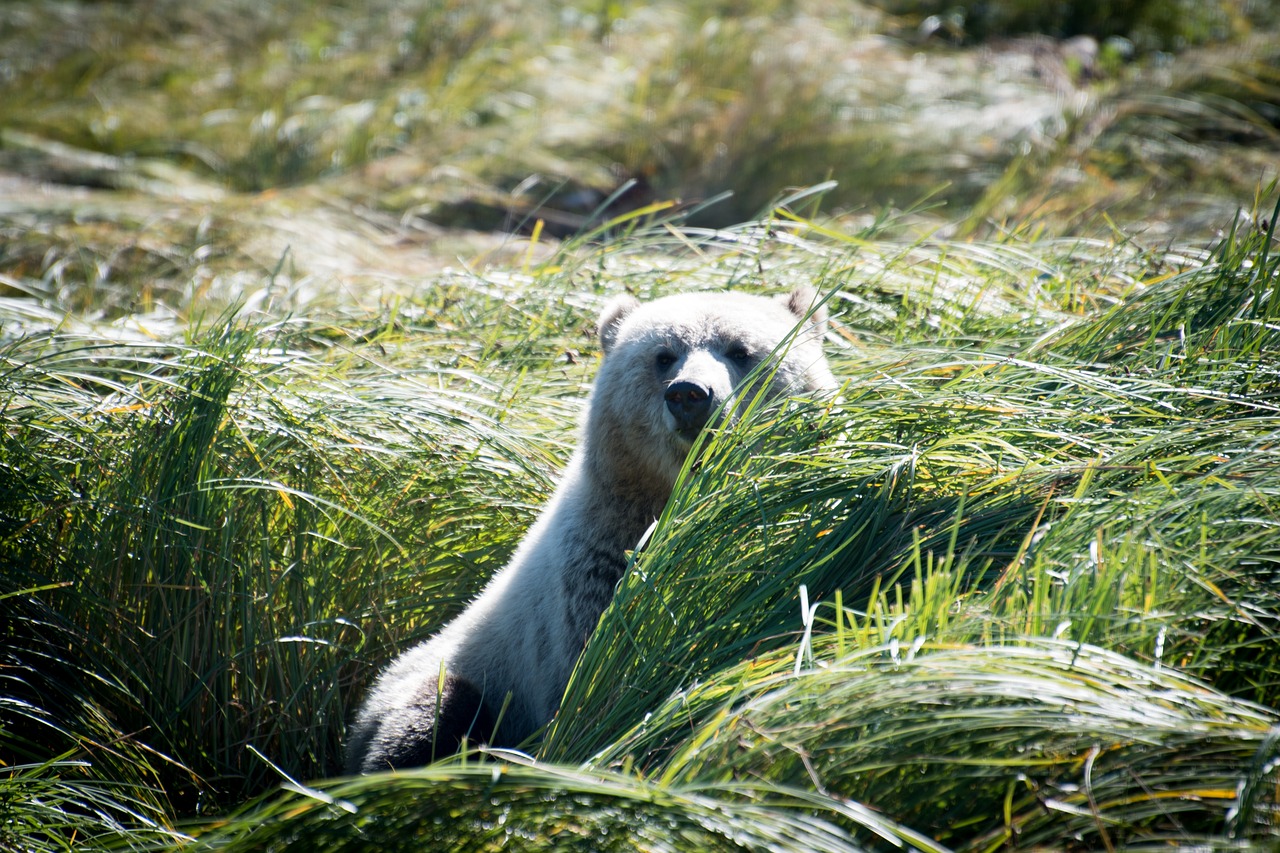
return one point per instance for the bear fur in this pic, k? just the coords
(668, 366)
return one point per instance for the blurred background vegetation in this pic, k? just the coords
(1159, 114)
(295, 306)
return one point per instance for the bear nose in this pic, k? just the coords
(690, 404)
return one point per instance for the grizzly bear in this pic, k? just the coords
(669, 367)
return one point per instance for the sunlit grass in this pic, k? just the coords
(266, 423)
(218, 534)
(199, 508)
(453, 115)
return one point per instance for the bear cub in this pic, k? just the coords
(669, 366)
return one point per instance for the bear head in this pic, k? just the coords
(670, 365)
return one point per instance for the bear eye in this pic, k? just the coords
(665, 359)
(738, 352)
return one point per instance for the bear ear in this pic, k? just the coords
(799, 301)
(611, 318)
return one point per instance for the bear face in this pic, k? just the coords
(671, 364)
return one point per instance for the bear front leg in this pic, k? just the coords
(430, 725)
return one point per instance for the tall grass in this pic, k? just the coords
(260, 95)
(1004, 595)
(190, 516)
(1012, 587)
(450, 114)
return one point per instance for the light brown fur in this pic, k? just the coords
(523, 634)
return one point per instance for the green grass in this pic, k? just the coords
(454, 115)
(195, 498)
(212, 541)
(272, 413)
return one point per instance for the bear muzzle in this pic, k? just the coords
(690, 404)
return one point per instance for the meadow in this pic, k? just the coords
(296, 312)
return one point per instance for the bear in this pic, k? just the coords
(668, 367)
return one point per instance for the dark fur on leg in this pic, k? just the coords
(419, 736)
